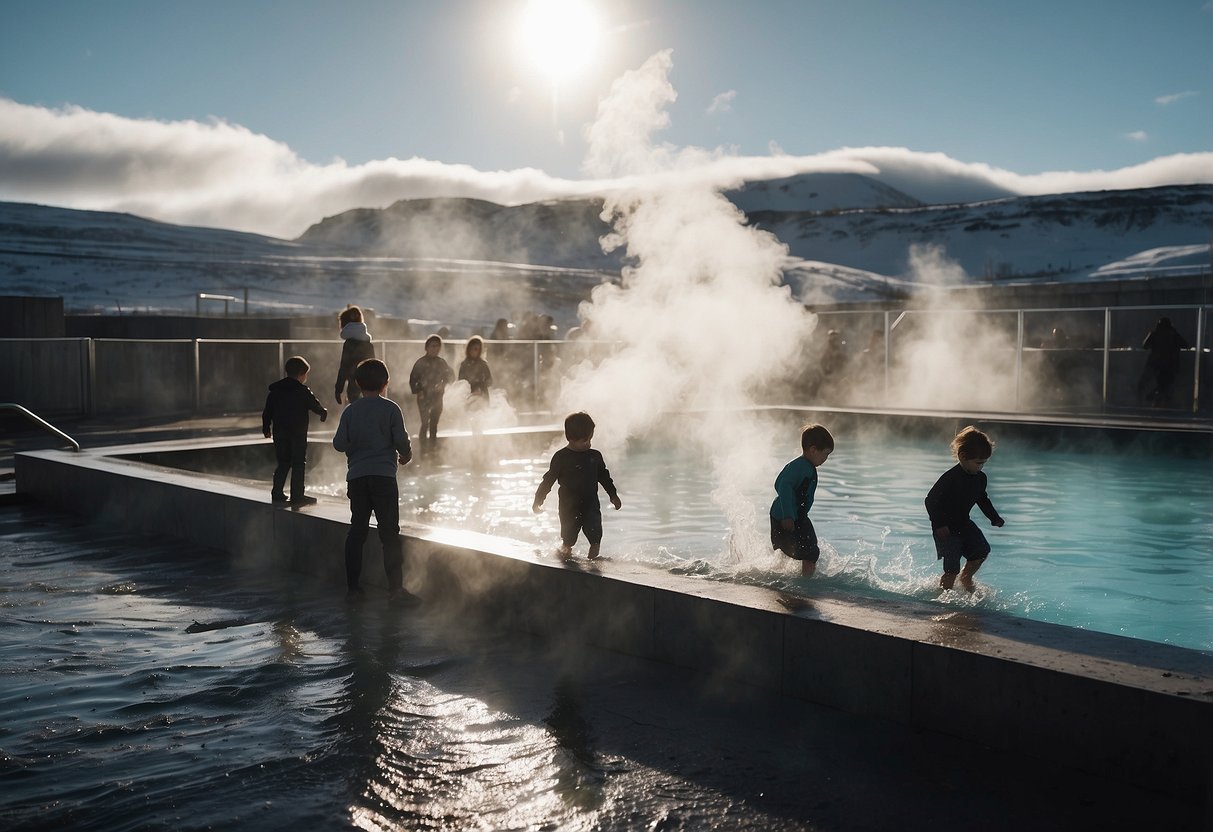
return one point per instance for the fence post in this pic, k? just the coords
(888, 353)
(535, 374)
(197, 379)
(1107, 346)
(1202, 321)
(88, 378)
(1018, 360)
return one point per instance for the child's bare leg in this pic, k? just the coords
(593, 553)
(947, 580)
(966, 574)
(808, 567)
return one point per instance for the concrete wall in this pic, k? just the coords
(1132, 711)
(30, 317)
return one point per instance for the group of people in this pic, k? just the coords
(372, 435)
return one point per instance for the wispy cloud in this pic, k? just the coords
(1164, 100)
(223, 175)
(1138, 136)
(722, 103)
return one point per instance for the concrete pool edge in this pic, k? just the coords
(1130, 710)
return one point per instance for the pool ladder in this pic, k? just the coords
(40, 422)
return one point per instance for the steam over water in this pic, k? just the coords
(702, 317)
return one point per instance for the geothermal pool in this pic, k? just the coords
(1111, 540)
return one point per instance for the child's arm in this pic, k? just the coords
(316, 407)
(265, 417)
(987, 508)
(604, 477)
(934, 503)
(416, 385)
(400, 438)
(785, 491)
(545, 486)
(341, 439)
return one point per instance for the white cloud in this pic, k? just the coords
(722, 103)
(224, 175)
(1137, 136)
(1164, 100)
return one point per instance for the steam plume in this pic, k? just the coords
(701, 319)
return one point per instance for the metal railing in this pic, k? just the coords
(208, 376)
(40, 422)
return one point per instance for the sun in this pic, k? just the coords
(560, 37)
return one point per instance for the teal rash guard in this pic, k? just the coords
(794, 489)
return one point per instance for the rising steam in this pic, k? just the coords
(702, 321)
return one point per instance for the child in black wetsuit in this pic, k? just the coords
(948, 505)
(579, 469)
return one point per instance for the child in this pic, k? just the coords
(356, 349)
(949, 502)
(285, 418)
(372, 436)
(791, 530)
(579, 469)
(475, 370)
(431, 374)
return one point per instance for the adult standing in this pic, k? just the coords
(356, 349)
(1162, 364)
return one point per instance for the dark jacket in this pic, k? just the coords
(430, 376)
(353, 352)
(287, 407)
(476, 372)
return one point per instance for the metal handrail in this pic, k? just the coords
(40, 422)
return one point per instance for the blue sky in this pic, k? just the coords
(1026, 88)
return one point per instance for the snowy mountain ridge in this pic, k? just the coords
(849, 238)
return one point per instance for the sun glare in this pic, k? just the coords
(560, 37)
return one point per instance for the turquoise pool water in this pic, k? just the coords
(1112, 540)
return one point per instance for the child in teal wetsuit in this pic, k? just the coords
(791, 530)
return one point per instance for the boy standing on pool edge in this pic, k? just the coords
(791, 530)
(948, 505)
(372, 436)
(579, 469)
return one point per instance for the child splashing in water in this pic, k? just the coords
(948, 505)
(580, 470)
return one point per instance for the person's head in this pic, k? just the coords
(579, 429)
(433, 345)
(475, 347)
(816, 444)
(350, 315)
(972, 449)
(297, 367)
(371, 376)
(1164, 323)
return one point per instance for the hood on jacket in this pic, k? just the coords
(355, 330)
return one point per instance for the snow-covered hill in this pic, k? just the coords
(468, 261)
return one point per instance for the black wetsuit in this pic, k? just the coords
(579, 474)
(953, 496)
(948, 504)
